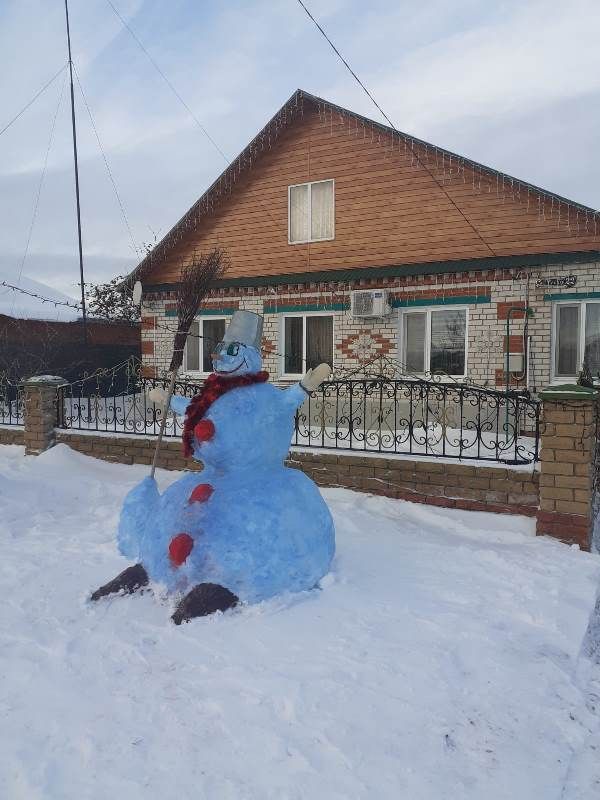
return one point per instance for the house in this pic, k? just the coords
(46, 336)
(357, 242)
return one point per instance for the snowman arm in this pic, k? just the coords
(179, 404)
(294, 396)
(140, 505)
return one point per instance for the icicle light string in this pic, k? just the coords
(56, 303)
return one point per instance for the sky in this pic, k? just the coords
(514, 84)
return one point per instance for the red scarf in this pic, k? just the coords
(214, 387)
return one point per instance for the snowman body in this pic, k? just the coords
(256, 527)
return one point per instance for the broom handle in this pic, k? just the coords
(163, 422)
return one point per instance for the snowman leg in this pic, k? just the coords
(128, 581)
(204, 599)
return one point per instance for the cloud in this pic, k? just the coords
(513, 84)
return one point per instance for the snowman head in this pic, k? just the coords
(239, 352)
(235, 358)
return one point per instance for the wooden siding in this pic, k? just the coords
(388, 210)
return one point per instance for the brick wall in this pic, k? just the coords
(356, 341)
(569, 430)
(9, 435)
(458, 485)
(128, 449)
(500, 490)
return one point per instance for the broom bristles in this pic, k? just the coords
(196, 280)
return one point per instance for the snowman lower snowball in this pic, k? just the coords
(246, 528)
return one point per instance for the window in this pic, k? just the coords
(435, 340)
(576, 338)
(205, 333)
(307, 342)
(310, 217)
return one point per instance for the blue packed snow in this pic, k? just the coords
(265, 529)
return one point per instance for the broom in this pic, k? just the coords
(196, 278)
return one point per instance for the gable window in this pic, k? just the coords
(310, 212)
(576, 338)
(205, 334)
(435, 340)
(307, 342)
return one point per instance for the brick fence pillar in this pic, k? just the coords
(40, 412)
(568, 433)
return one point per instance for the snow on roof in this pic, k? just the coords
(22, 306)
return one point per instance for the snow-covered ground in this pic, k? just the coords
(444, 657)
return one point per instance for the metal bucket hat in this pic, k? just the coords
(246, 328)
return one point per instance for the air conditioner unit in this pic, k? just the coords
(370, 303)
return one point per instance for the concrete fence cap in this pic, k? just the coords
(569, 391)
(52, 380)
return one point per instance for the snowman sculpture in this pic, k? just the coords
(246, 528)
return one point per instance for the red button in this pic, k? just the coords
(201, 493)
(180, 547)
(204, 430)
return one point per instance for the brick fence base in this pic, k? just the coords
(458, 485)
(496, 489)
(128, 449)
(10, 435)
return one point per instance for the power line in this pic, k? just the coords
(394, 128)
(110, 175)
(169, 84)
(33, 99)
(41, 183)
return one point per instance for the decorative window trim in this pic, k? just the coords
(281, 340)
(310, 184)
(412, 309)
(581, 301)
(201, 319)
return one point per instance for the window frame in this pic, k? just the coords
(581, 305)
(199, 373)
(310, 184)
(304, 314)
(428, 310)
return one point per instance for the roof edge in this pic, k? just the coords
(399, 270)
(282, 118)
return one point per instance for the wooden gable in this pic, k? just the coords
(398, 201)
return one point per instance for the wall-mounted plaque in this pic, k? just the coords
(561, 281)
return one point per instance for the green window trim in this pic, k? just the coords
(272, 309)
(461, 300)
(206, 312)
(573, 296)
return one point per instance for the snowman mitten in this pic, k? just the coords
(315, 377)
(158, 396)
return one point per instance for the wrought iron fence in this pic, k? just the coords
(117, 402)
(376, 414)
(11, 403)
(424, 418)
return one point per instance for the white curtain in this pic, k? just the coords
(299, 213)
(321, 225)
(319, 341)
(192, 348)
(414, 341)
(568, 340)
(448, 332)
(592, 337)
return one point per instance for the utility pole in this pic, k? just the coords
(76, 180)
